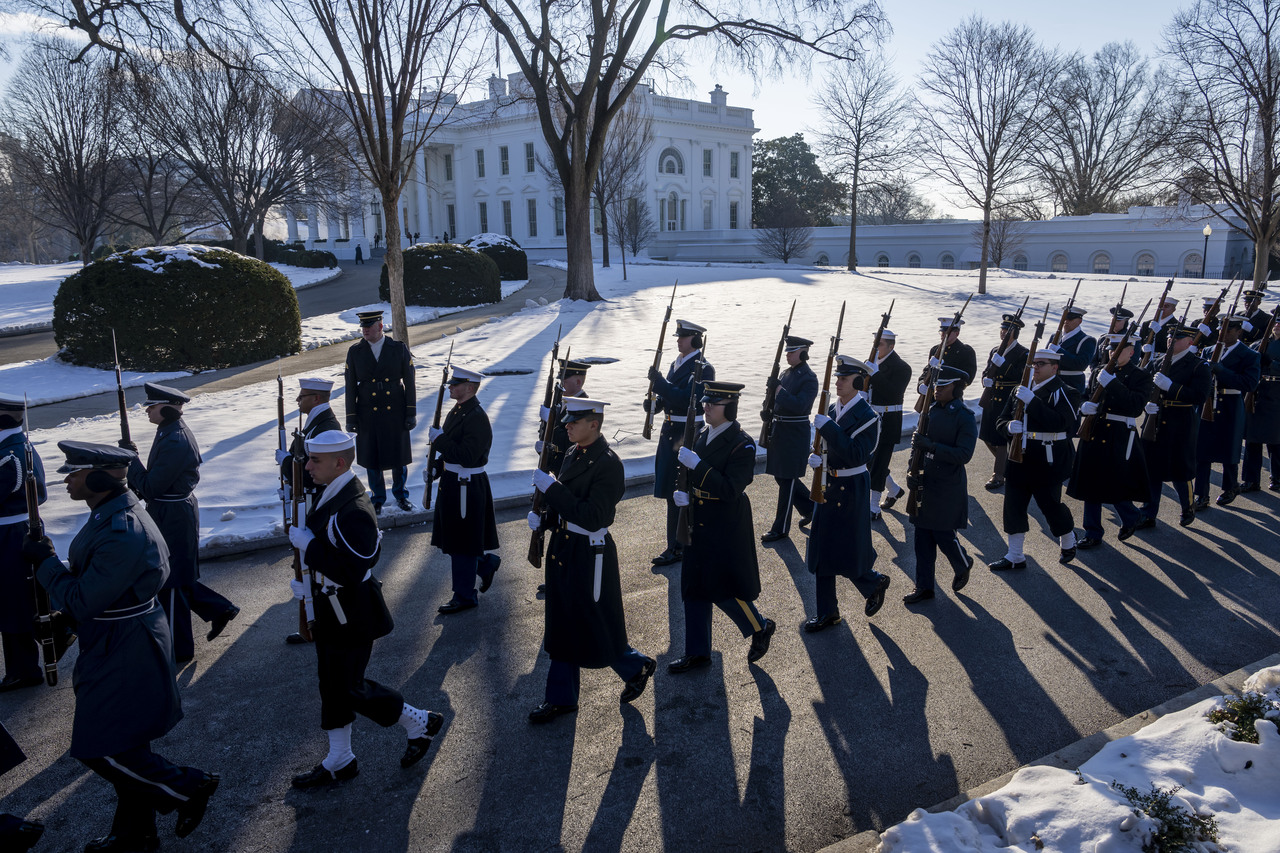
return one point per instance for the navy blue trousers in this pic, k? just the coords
(1129, 516)
(145, 783)
(564, 679)
(179, 603)
(697, 622)
(378, 484)
(927, 544)
(828, 602)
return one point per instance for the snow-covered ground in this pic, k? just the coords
(1054, 810)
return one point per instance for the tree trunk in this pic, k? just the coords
(577, 230)
(986, 239)
(261, 238)
(1261, 263)
(853, 225)
(86, 252)
(394, 259)
(604, 237)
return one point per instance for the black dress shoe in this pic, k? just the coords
(688, 662)
(377, 509)
(806, 520)
(875, 516)
(1127, 532)
(772, 536)
(962, 578)
(814, 624)
(296, 639)
(917, 595)
(17, 682)
(1273, 486)
(1004, 564)
(405, 504)
(320, 775)
(876, 600)
(1088, 542)
(637, 683)
(546, 712)
(1188, 518)
(1246, 488)
(760, 641)
(488, 568)
(993, 484)
(669, 556)
(1201, 503)
(1227, 497)
(1145, 523)
(192, 811)
(1067, 555)
(888, 502)
(455, 605)
(418, 746)
(220, 622)
(123, 844)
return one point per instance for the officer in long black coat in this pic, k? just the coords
(789, 437)
(464, 525)
(573, 376)
(340, 544)
(1075, 350)
(959, 354)
(1262, 425)
(1154, 334)
(1110, 466)
(948, 444)
(586, 625)
(17, 599)
(126, 693)
(167, 483)
(1255, 319)
(1005, 365)
(1045, 429)
(1121, 317)
(1235, 373)
(1184, 384)
(720, 565)
(382, 407)
(890, 376)
(673, 393)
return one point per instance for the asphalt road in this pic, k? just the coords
(832, 734)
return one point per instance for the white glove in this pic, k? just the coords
(281, 455)
(688, 458)
(997, 359)
(814, 460)
(283, 494)
(1194, 350)
(426, 471)
(535, 521)
(300, 537)
(1088, 407)
(988, 382)
(434, 433)
(543, 413)
(1148, 348)
(819, 421)
(542, 480)
(872, 369)
(922, 389)
(1053, 348)
(1104, 378)
(538, 446)
(1247, 326)
(680, 498)
(1204, 329)
(1164, 383)
(299, 589)
(1151, 408)
(934, 363)
(1015, 427)
(1025, 394)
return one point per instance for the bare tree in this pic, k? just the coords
(985, 87)
(788, 232)
(158, 193)
(864, 135)
(893, 201)
(637, 227)
(621, 174)
(1226, 71)
(583, 63)
(1006, 236)
(25, 235)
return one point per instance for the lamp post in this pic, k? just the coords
(1204, 258)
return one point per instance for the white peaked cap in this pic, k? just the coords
(461, 374)
(330, 441)
(313, 384)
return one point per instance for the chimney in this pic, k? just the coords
(497, 88)
(719, 96)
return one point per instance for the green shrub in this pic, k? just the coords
(1238, 718)
(444, 275)
(177, 308)
(280, 252)
(1179, 829)
(513, 263)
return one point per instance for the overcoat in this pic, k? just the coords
(840, 538)
(465, 442)
(1045, 459)
(321, 419)
(167, 484)
(559, 437)
(1237, 372)
(1172, 456)
(1004, 379)
(790, 438)
(1111, 466)
(1076, 354)
(17, 598)
(1263, 424)
(944, 487)
(960, 355)
(673, 399)
(1258, 319)
(380, 399)
(888, 389)
(1156, 333)
(720, 561)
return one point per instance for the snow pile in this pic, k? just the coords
(1049, 809)
(484, 241)
(158, 258)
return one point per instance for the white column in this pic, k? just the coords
(291, 221)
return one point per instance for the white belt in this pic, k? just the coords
(1132, 424)
(1046, 436)
(15, 519)
(126, 612)
(1071, 373)
(464, 475)
(886, 409)
(463, 472)
(596, 538)
(330, 589)
(679, 419)
(849, 472)
(1225, 391)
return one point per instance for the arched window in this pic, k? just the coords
(670, 162)
(882, 260)
(1102, 263)
(1146, 264)
(822, 260)
(1020, 262)
(1059, 262)
(1193, 266)
(947, 261)
(913, 261)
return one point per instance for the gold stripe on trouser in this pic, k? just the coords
(755, 626)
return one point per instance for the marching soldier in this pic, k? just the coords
(1208, 326)
(1255, 323)
(1262, 425)
(1104, 343)
(382, 407)
(1004, 370)
(586, 625)
(944, 489)
(340, 544)
(840, 542)
(789, 437)
(1047, 455)
(890, 376)
(959, 354)
(1075, 349)
(17, 597)
(464, 525)
(720, 564)
(167, 483)
(1171, 458)
(1155, 332)
(573, 375)
(1110, 466)
(126, 694)
(1235, 373)
(672, 396)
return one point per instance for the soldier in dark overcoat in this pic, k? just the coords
(382, 407)
(1045, 429)
(1154, 334)
(167, 483)
(1207, 325)
(1110, 466)
(1235, 373)
(890, 376)
(1184, 384)
(959, 354)
(586, 625)
(720, 565)
(1255, 322)
(673, 392)
(17, 597)
(573, 376)
(789, 437)
(948, 445)
(1262, 425)
(840, 542)
(1121, 317)
(125, 687)
(340, 544)
(1002, 374)
(1075, 350)
(464, 525)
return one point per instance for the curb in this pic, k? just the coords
(1073, 755)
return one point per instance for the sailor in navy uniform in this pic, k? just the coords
(1045, 429)
(126, 693)
(340, 544)
(17, 598)
(167, 483)
(1103, 344)
(585, 622)
(1155, 332)
(1236, 372)
(720, 565)
(1005, 366)
(573, 375)
(1076, 350)
(382, 408)
(463, 526)
(789, 437)
(890, 376)
(1208, 325)
(840, 542)
(1262, 425)
(1255, 319)
(672, 394)
(959, 354)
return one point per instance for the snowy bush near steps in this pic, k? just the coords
(445, 275)
(513, 263)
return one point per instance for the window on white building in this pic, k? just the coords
(673, 209)
(533, 216)
(448, 167)
(913, 261)
(733, 164)
(822, 260)
(506, 219)
(706, 162)
(1146, 264)
(1193, 266)
(1019, 262)
(595, 216)
(733, 215)
(453, 220)
(947, 261)
(557, 205)
(479, 162)
(706, 215)
(484, 218)
(882, 260)
(1102, 263)
(529, 160)
(670, 162)
(504, 160)
(1058, 263)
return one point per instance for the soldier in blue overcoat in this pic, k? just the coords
(17, 597)
(1236, 372)
(789, 437)
(1075, 350)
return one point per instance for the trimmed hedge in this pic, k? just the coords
(444, 275)
(177, 308)
(279, 252)
(513, 263)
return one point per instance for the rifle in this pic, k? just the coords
(1207, 411)
(771, 388)
(1085, 432)
(1018, 444)
(35, 530)
(1151, 330)
(435, 424)
(1210, 315)
(1251, 398)
(1151, 425)
(683, 535)
(818, 490)
(984, 401)
(932, 373)
(649, 397)
(884, 324)
(125, 440)
(537, 538)
(306, 608)
(1057, 336)
(282, 444)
